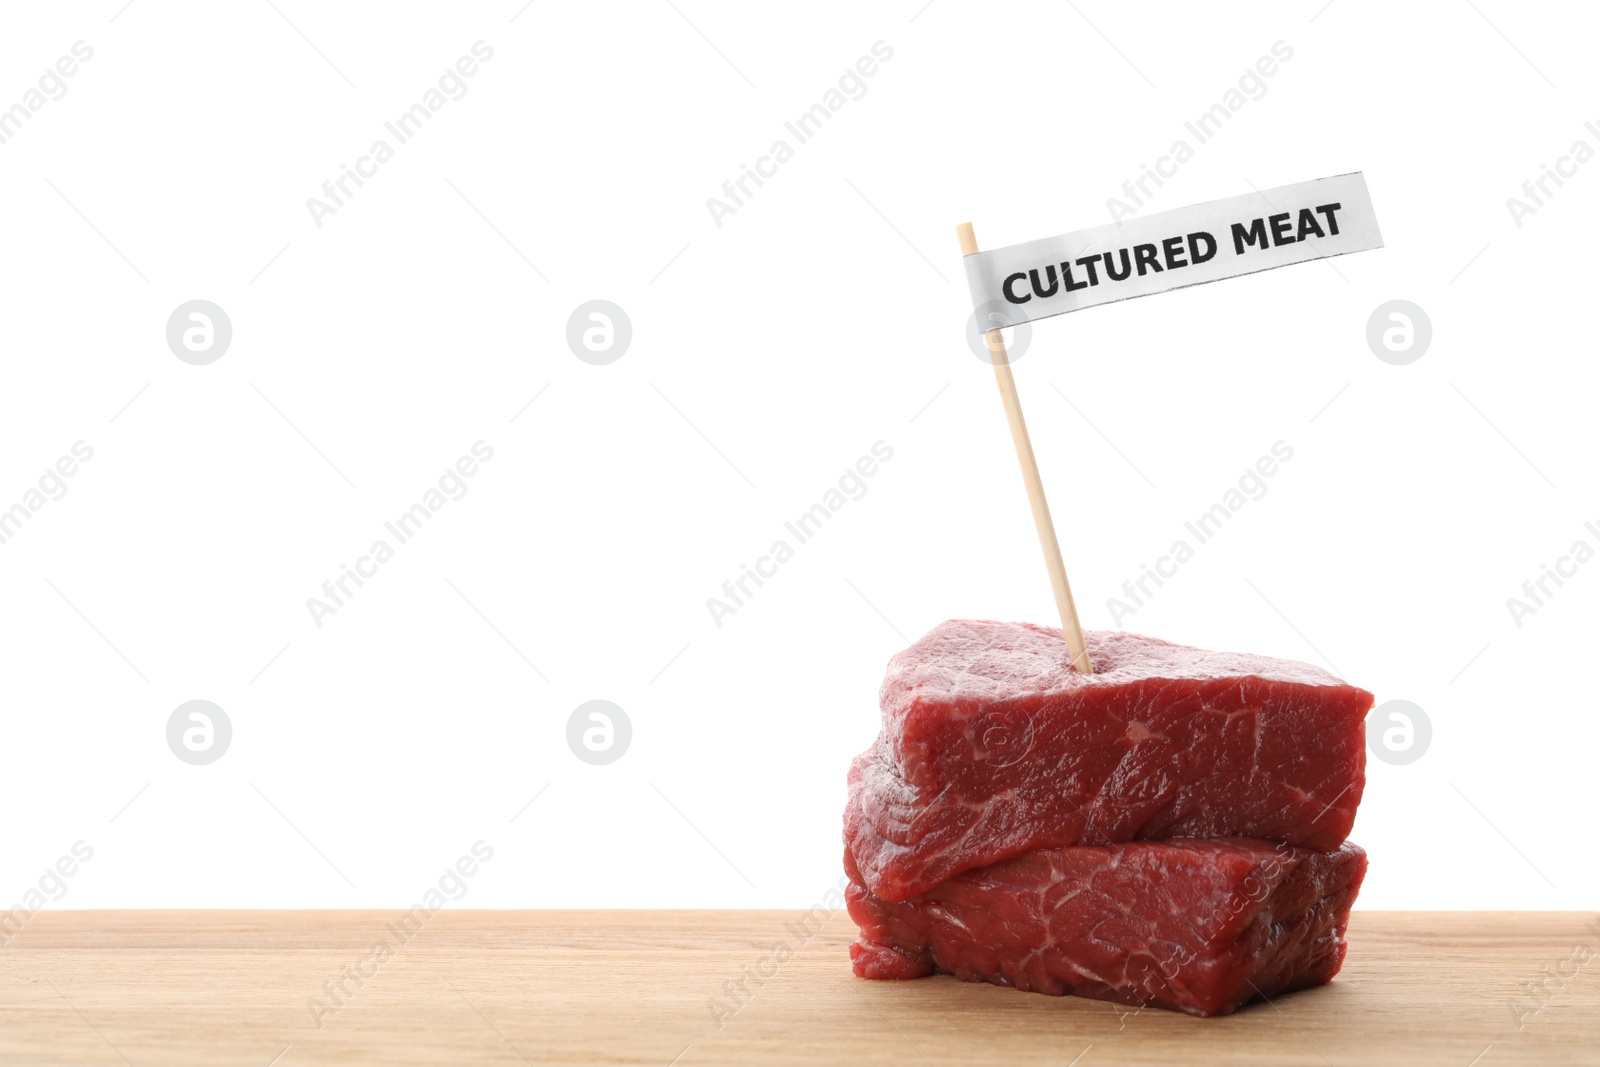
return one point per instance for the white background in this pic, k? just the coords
(825, 315)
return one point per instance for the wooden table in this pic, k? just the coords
(637, 987)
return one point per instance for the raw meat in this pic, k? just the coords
(992, 747)
(1196, 926)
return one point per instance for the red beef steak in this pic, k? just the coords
(1200, 926)
(992, 746)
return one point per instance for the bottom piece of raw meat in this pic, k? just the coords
(1200, 926)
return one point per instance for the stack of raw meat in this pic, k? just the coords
(1168, 831)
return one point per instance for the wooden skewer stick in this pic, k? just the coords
(1070, 628)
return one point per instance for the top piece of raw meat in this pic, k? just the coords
(993, 746)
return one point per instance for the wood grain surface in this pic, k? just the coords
(658, 988)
